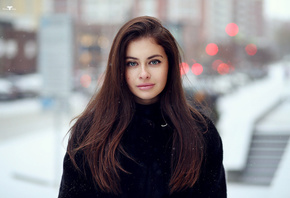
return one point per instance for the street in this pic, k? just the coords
(32, 146)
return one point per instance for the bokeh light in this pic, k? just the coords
(103, 42)
(184, 68)
(251, 49)
(85, 58)
(232, 29)
(197, 69)
(223, 68)
(85, 80)
(87, 40)
(211, 49)
(216, 63)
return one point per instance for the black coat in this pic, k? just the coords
(148, 140)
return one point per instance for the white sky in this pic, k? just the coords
(278, 9)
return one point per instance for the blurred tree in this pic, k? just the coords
(262, 57)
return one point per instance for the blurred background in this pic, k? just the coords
(236, 60)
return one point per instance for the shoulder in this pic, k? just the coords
(76, 163)
(211, 133)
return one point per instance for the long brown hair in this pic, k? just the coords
(99, 129)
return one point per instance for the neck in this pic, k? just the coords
(146, 101)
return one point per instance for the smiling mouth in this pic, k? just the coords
(146, 86)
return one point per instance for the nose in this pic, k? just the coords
(144, 73)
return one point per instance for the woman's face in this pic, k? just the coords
(146, 70)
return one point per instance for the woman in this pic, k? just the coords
(138, 137)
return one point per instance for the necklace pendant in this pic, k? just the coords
(163, 125)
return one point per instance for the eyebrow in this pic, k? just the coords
(150, 57)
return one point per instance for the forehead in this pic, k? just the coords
(144, 46)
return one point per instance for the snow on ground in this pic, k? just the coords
(8, 109)
(27, 167)
(31, 163)
(240, 110)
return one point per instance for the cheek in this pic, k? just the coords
(165, 75)
(128, 80)
(128, 76)
(165, 80)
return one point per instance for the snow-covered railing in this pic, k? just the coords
(241, 109)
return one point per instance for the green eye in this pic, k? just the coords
(131, 64)
(155, 62)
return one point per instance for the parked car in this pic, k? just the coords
(28, 85)
(8, 91)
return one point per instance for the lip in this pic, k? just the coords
(146, 86)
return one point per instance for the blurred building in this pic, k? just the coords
(248, 15)
(94, 11)
(194, 23)
(19, 21)
(95, 24)
(182, 18)
(215, 16)
(22, 14)
(19, 51)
